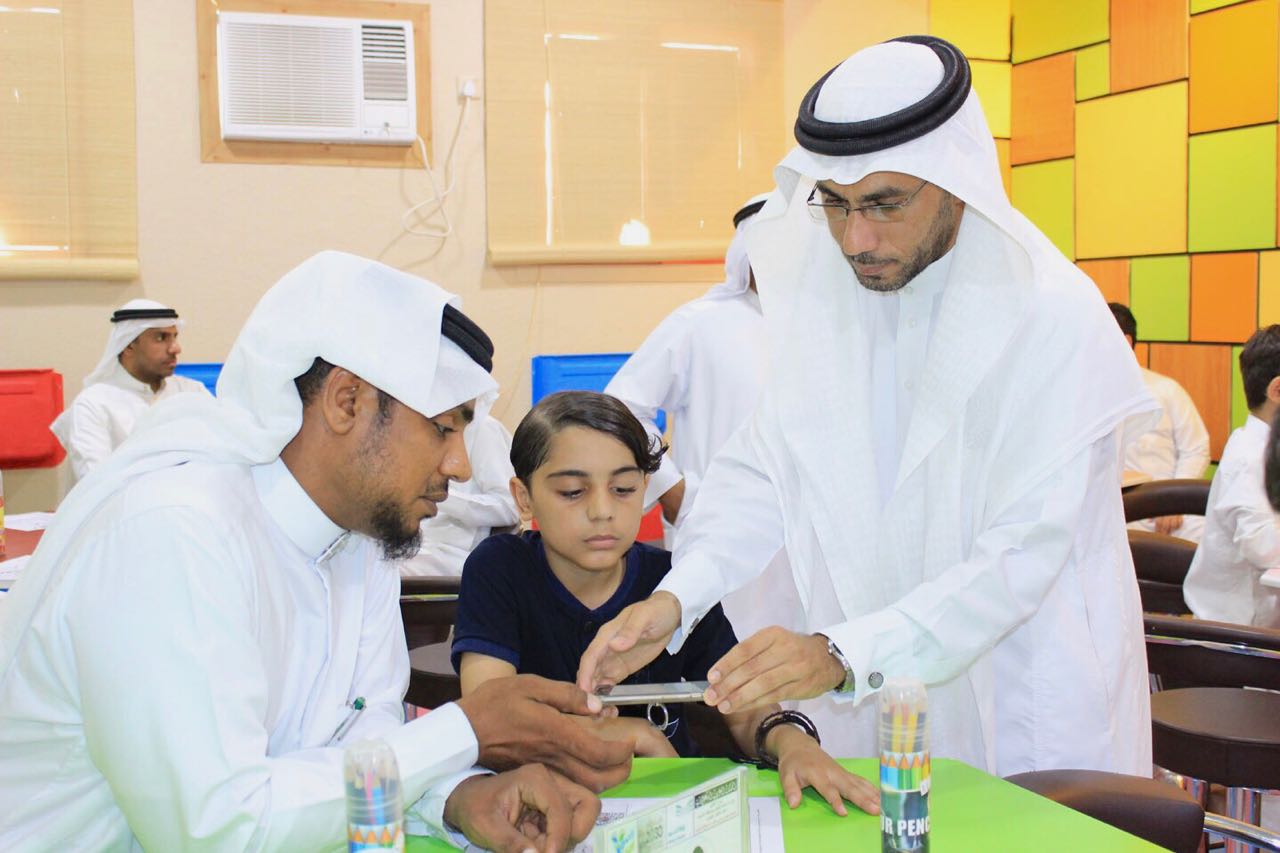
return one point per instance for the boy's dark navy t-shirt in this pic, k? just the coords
(513, 608)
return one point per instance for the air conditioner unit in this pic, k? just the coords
(310, 79)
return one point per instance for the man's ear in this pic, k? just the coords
(524, 503)
(1273, 389)
(340, 400)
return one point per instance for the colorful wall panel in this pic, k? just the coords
(1233, 66)
(1044, 27)
(1174, 108)
(1131, 168)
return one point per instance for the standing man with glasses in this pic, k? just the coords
(949, 506)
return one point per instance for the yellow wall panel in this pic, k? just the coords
(1006, 168)
(1042, 27)
(1233, 66)
(1148, 42)
(991, 80)
(980, 28)
(1131, 154)
(1044, 102)
(1268, 288)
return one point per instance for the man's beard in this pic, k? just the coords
(396, 537)
(936, 244)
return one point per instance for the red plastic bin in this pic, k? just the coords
(29, 401)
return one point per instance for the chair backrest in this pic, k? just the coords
(1159, 812)
(428, 606)
(1161, 563)
(1166, 497)
(1200, 653)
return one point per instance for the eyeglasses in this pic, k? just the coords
(824, 211)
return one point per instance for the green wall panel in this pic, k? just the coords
(1093, 72)
(1232, 190)
(1160, 297)
(1045, 193)
(1239, 408)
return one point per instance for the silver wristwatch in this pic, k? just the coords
(848, 684)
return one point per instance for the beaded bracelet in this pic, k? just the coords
(778, 718)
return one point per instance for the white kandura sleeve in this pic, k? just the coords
(1247, 513)
(654, 378)
(730, 536)
(1190, 438)
(174, 698)
(942, 626)
(89, 436)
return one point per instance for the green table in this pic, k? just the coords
(969, 811)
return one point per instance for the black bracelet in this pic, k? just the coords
(778, 718)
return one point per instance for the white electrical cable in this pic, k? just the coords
(438, 197)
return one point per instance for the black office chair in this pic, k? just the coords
(1161, 563)
(1166, 497)
(1207, 727)
(1156, 811)
(428, 606)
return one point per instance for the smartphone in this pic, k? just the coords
(644, 694)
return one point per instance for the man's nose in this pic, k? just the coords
(859, 235)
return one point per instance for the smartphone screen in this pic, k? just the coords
(643, 694)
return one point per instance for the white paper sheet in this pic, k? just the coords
(28, 521)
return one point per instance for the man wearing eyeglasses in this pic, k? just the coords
(938, 448)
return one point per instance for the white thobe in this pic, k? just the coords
(103, 415)
(1241, 538)
(1177, 447)
(705, 365)
(179, 685)
(1038, 600)
(474, 508)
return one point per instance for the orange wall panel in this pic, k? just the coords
(1111, 276)
(1148, 42)
(1233, 66)
(1205, 371)
(1044, 114)
(1224, 296)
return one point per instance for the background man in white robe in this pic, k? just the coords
(705, 365)
(474, 508)
(134, 373)
(938, 448)
(1176, 447)
(208, 604)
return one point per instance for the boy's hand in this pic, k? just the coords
(802, 763)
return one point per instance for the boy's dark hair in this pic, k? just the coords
(1272, 465)
(590, 409)
(310, 383)
(1260, 363)
(1128, 322)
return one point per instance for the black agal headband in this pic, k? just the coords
(144, 314)
(469, 337)
(843, 139)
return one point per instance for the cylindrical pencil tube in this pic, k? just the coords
(375, 812)
(904, 767)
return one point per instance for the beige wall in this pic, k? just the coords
(213, 237)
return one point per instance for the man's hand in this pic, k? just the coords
(1166, 524)
(646, 741)
(802, 763)
(671, 501)
(521, 810)
(773, 665)
(523, 719)
(628, 641)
